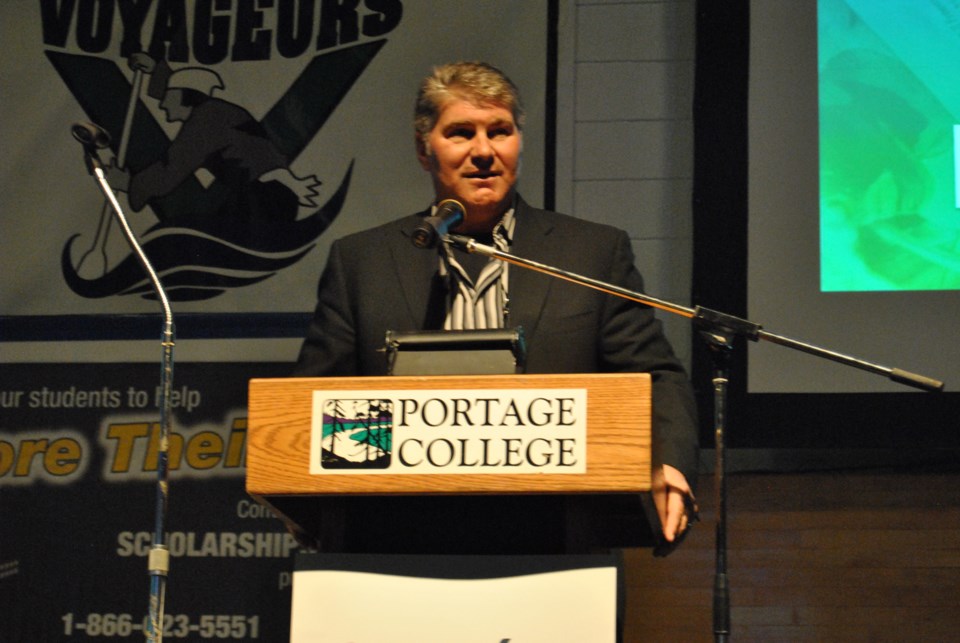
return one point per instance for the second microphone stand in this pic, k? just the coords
(158, 562)
(719, 330)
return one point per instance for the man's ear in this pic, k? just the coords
(426, 160)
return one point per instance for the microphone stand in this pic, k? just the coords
(719, 330)
(158, 561)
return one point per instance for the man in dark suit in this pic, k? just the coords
(469, 138)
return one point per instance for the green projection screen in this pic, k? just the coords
(889, 103)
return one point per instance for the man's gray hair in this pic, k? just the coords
(477, 82)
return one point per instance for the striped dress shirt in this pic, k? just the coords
(485, 303)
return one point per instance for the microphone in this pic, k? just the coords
(90, 135)
(449, 215)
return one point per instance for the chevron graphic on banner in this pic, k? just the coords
(241, 228)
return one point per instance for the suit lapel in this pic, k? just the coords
(528, 288)
(416, 271)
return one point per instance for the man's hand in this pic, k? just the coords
(674, 501)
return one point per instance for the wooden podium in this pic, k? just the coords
(604, 504)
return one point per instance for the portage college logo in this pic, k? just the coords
(222, 206)
(357, 434)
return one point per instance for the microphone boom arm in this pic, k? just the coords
(703, 318)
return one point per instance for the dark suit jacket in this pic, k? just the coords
(377, 280)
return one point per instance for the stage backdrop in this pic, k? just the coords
(308, 109)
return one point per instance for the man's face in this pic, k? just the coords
(473, 156)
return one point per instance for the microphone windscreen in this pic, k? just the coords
(451, 212)
(90, 134)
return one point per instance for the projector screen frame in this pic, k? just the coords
(900, 419)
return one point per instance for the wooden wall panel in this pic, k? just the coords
(855, 556)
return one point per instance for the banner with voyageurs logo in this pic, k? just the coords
(244, 137)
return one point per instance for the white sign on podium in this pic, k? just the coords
(468, 599)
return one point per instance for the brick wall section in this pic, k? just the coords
(625, 134)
